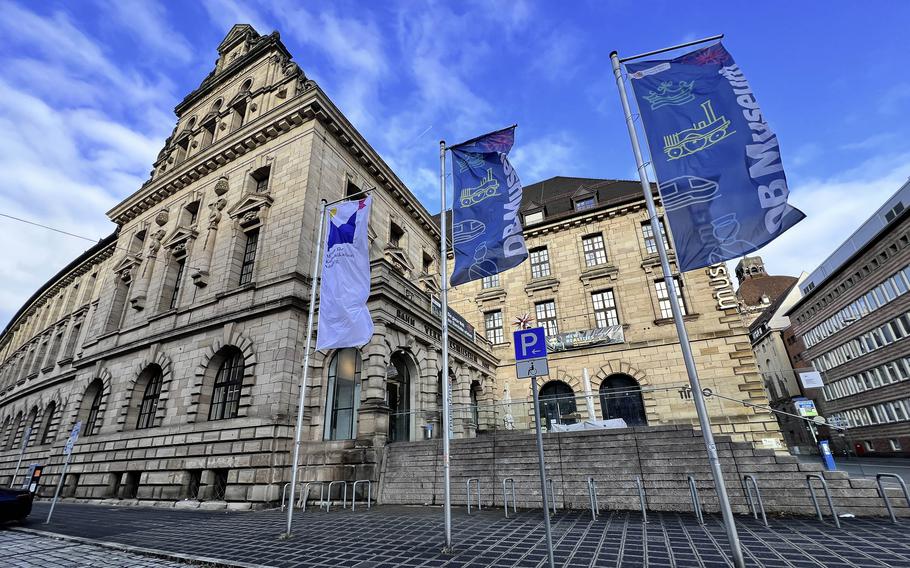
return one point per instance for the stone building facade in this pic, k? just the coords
(853, 322)
(178, 341)
(594, 281)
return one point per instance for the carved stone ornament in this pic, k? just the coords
(215, 212)
(162, 217)
(223, 126)
(126, 275)
(253, 107)
(221, 186)
(250, 218)
(195, 144)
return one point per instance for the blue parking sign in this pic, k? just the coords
(530, 344)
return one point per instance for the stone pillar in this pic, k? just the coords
(140, 289)
(373, 417)
(461, 403)
(200, 274)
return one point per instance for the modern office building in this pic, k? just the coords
(854, 320)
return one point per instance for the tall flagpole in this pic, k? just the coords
(697, 396)
(444, 383)
(314, 279)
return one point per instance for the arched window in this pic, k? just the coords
(47, 421)
(620, 397)
(90, 413)
(15, 428)
(31, 424)
(228, 383)
(343, 395)
(148, 407)
(398, 397)
(557, 404)
(5, 432)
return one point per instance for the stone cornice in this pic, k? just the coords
(311, 104)
(584, 219)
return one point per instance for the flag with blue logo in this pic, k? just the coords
(718, 163)
(344, 319)
(486, 225)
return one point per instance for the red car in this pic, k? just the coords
(15, 504)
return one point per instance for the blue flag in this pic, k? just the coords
(718, 163)
(486, 226)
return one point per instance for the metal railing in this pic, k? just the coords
(284, 491)
(552, 492)
(369, 485)
(344, 493)
(818, 509)
(641, 499)
(505, 496)
(305, 494)
(881, 490)
(696, 501)
(747, 488)
(592, 498)
(468, 493)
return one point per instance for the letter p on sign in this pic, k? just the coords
(530, 344)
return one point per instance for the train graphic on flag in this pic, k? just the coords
(488, 188)
(702, 135)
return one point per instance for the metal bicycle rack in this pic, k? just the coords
(369, 485)
(284, 491)
(344, 498)
(752, 502)
(592, 498)
(881, 490)
(505, 496)
(552, 491)
(696, 502)
(468, 490)
(641, 499)
(818, 509)
(306, 493)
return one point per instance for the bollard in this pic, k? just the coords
(641, 499)
(696, 502)
(592, 498)
(306, 493)
(354, 492)
(344, 498)
(818, 509)
(468, 491)
(505, 496)
(750, 501)
(881, 490)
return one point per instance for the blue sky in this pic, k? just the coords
(87, 91)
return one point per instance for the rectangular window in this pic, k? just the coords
(648, 233)
(540, 262)
(604, 309)
(585, 203)
(594, 249)
(490, 281)
(208, 133)
(395, 235)
(663, 298)
(535, 217)
(895, 444)
(249, 256)
(261, 179)
(546, 316)
(493, 326)
(180, 265)
(427, 263)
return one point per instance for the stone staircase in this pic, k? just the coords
(663, 456)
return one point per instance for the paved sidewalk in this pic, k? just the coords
(392, 537)
(24, 550)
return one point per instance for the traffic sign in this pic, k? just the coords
(532, 368)
(74, 435)
(530, 343)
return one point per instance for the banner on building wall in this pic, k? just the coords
(486, 225)
(722, 181)
(344, 319)
(581, 339)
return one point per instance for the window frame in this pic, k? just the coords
(148, 406)
(650, 241)
(550, 322)
(596, 253)
(605, 310)
(540, 262)
(226, 391)
(663, 297)
(498, 331)
(248, 260)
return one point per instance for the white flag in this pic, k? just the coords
(344, 319)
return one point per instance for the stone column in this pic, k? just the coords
(200, 274)
(373, 417)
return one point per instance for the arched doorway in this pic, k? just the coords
(620, 397)
(557, 404)
(398, 397)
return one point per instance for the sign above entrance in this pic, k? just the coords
(530, 343)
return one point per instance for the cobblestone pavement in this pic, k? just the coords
(389, 537)
(22, 550)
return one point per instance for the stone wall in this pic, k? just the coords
(663, 456)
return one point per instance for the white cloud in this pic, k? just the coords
(226, 13)
(80, 133)
(148, 22)
(542, 158)
(835, 207)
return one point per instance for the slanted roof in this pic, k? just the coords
(769, 312)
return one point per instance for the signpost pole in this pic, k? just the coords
(27, 435)
(67, 452)
(543, 472)
(697, 395)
